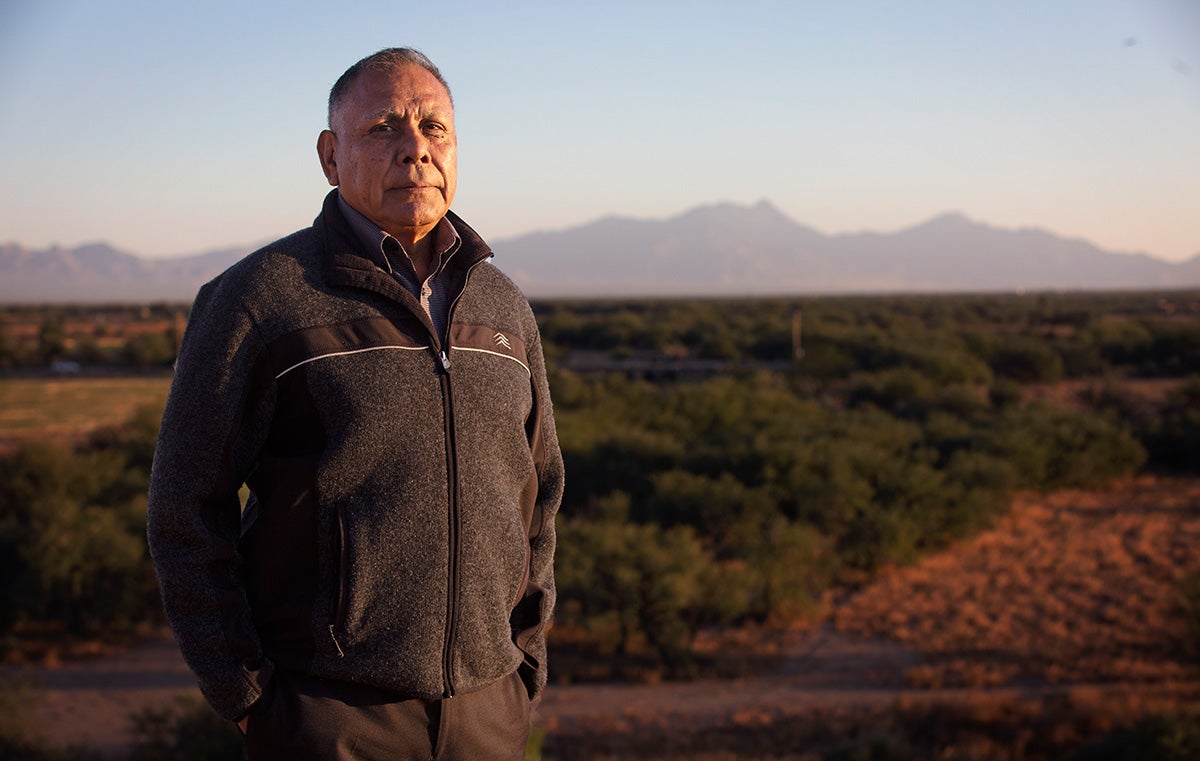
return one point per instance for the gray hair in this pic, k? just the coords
(385, 60)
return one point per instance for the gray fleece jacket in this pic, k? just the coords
(400, 531)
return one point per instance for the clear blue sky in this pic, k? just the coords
(168, 128)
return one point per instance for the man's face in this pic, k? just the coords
(393, 150)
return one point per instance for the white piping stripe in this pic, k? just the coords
(345, 353)
(498, 354)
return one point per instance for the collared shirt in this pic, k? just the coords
(433, 291)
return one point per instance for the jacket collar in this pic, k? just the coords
(347, 262)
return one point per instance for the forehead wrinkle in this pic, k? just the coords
(415, 107)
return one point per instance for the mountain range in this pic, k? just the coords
(716, 250)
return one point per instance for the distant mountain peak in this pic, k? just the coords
(767, 209)
(738, 249)
(763, 214)
(719, 249)
(101, 252)
(762, 206)
(954, 220)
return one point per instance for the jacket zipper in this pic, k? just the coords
(452, 580)
(442, 354)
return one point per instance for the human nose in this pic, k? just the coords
(414, 149)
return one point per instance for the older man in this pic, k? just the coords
(380, 388)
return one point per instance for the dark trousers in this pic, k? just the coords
(306, 718)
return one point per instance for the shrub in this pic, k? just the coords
(72, 532)
(84, 566)
(629, 584)
(984, 485)
(1173, 438)
(52, 336)
(1189, 597)
(150, 349)
(19, 739)
(627, 457)
(963, 402)
(901, 391)
(35, 470)
(1005, 393)
(187, 730)
(1052, 448)
(713, 506)
(786, 567)
(17, 698)
(1027, 360)
(1152, 346)
(1166, 737)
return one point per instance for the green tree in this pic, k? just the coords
(786, 566)
(1027, 360)
(1174, 434)
(72, 531)
(712, 506)
(86, 568)
(150, 349)
(1053, 448)
(641, 583)
(8, 349)
(52, 336)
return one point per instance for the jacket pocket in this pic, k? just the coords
(341, 580)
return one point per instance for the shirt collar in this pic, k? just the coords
(446, 239)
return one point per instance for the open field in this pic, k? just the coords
(1061, 623)
(1073, 587)
(67, 409)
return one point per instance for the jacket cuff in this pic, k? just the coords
(234, 699)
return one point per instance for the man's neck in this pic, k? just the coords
(420, 252)
(419, 245)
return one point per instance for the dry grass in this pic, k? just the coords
(66, 409)
(1061, 627)
(971, 727)
(1076, 587)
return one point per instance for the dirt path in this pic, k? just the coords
(1026, 609)
(89, 702)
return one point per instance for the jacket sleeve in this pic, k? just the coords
(531, 619)
(211, 432)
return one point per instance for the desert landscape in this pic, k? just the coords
(1067, 617)
(910, 528)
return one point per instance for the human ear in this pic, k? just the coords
(327, 153)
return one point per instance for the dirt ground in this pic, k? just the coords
(1068, 588)
(1077, 592)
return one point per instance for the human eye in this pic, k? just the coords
(434, 128)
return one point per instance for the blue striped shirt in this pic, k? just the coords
(433, 291)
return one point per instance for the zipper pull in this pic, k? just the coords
(445, 359)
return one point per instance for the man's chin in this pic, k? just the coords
(403, 223)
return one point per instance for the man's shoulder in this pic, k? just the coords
(269, 268)
(492, 296)
(494, 284)
(292, 253)
(266, 285)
